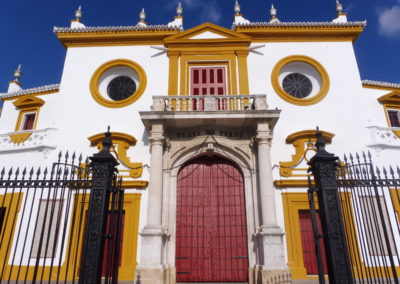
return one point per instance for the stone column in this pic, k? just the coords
(271, 235)
(151, 269)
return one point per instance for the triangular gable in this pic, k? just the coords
(391, 98)
(27, 102)
(208, 32)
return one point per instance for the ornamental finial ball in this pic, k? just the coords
(142, 15)
(273, 11)
(78, 13)
(17, 73)
(179, 10)
(339, 7)
(237, 8)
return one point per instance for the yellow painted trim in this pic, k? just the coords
(122, 142)
(386, 107)
(114, 38)
(302, 141)
(173, 73)
(129, 251)
(243, 72)
(94, 83)
(292, 183)
(28, 102)
(21, 115)
(18, 138)
(229, 37)
(297, 101)
(15, 82)
(300, 34)
(31, 95)
(370, 86)
(12, 202)
(95, 139)
(137, 184)
(208, 60)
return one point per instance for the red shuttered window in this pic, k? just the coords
(29, 121)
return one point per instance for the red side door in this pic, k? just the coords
(307, 241)
(211, 233)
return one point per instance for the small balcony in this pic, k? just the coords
(384, 137)
(210, 103)
(216, 111)
(31, 140)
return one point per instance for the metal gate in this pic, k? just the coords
(53, 221)
(359, 208)
(211, 234)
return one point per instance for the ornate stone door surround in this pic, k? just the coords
(245, 140)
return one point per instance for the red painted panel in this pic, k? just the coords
(307, 241)
(211, 234)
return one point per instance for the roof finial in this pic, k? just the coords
(17, 73)
(273, 12)
(179, 10)
(237, 8)
(78, 13)
(339, 7)
(142, 16)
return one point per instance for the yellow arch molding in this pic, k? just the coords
(297, 101)
(94, 83)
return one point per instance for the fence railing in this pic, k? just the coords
(359, 208)
(210, 103)
(62, 224)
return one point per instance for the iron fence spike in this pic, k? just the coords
(378, 172)
(59, 156)
(351, 157)
(357, 171)
(384, 171)
(357, 157)
(3, 171)
(369, 155)
(45, 171)
(364, 171)
(17, 172)
(398, 171)
(73, 156)
(345, 158)
(10, 172)
(79, 159)
(391, 171)
(24, 172)
(31, 172)
(364, 156)
(66, 157)
(38, 172)
(66, 173)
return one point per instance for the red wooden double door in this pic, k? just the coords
(211, 234)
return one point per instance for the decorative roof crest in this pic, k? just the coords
(142, 16)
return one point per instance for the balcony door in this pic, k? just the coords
(210, 80)
(211, 232)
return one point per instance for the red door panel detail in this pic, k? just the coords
(211, 234)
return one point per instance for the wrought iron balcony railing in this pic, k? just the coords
(210, 103)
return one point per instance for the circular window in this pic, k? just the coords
(297, 85)
(118, 83)
(300, 80)
(121, 87)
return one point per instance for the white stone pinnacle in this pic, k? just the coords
(179, 10)
(237, 8)
(17, 73)
(78, 13)
(142, 15)
(339, 7)
(273, 11)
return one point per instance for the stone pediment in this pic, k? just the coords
(208, 33)
(29, 101)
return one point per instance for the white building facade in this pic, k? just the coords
(213, 128)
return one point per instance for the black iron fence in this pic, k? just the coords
(63, 223)
(359, 207)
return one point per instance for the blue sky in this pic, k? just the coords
(27, 37)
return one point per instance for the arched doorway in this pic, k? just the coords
(211, 233)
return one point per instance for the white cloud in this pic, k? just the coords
(389, 21)
(211, 12)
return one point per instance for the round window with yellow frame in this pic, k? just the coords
(300, 80)
(118, 83)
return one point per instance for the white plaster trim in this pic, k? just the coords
(115, 28)
(301, 24)
(52, 87)
(380, 84)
